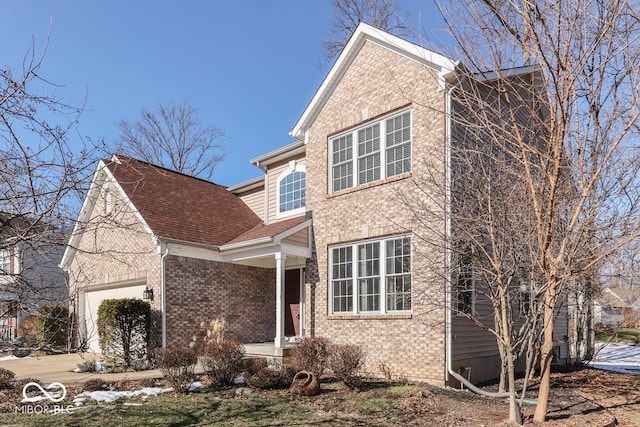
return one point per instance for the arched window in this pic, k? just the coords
(292, 192)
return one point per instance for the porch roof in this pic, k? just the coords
(262, 231)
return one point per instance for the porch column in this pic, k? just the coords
(279, 340)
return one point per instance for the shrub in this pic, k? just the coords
(345, 361)
(87, 366)
(222, 361)
(124, 329)
(177, 364)
(6, 378)
(253, 365)
(94, 384)
(311, 355)
(20, 383)
(52, 325)
(267, 378)
(28, 327)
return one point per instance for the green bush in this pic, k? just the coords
(124, 328)
(52, 325)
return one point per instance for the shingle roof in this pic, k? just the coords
(261, 231)
(181, 207)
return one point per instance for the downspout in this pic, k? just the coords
(163, 303)
(449, 255)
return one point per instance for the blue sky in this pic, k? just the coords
(250, 66)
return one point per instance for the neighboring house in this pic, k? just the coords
(615, 307)
(320, 245)
(29, 273)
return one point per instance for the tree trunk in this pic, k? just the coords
(515, 414)
(546, 355)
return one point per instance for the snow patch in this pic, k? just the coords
(12, 357)
(111, 396)
(617, 357)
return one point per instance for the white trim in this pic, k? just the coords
(278, 154)
(362, 34)
(89, 204)
(382, 252)
(294, 166)
(382, 151)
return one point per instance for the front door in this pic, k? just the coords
(292, 303)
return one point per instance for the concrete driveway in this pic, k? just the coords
(59, 368)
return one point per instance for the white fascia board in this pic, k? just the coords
(505, 73)
(89, 203)
(240, 245)
(247, 185)
(252, 253)
(289, 150)
(363, 33)
(90, 198)
(293, 230)
(132, 206)
(187, 250)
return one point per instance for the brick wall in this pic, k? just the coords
(377, 82)
(114, 247)
(199, 290)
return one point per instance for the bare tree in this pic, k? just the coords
(172, 136)
(41, 179)
(493, 280)
(577, 152)
(382, 14)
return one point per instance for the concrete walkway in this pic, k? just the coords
(59, 368)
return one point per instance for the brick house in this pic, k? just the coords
(319, 245)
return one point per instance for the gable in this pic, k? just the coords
(365, 33)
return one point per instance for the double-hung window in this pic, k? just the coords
(372, 152)
(371, 277)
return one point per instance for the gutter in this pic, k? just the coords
(163, 280)
(448, 251)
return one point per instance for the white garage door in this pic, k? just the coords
(92, 302)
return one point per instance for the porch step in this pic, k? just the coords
(266, 349)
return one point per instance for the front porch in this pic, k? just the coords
(267, 349)
(255, 283)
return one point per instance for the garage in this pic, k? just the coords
(93, 299)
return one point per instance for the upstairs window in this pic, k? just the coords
(5, 261)
(292, 191)
(382, 149)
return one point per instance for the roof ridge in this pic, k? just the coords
(164, 168)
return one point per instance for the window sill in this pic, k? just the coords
(369, 316)
(369, 185)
